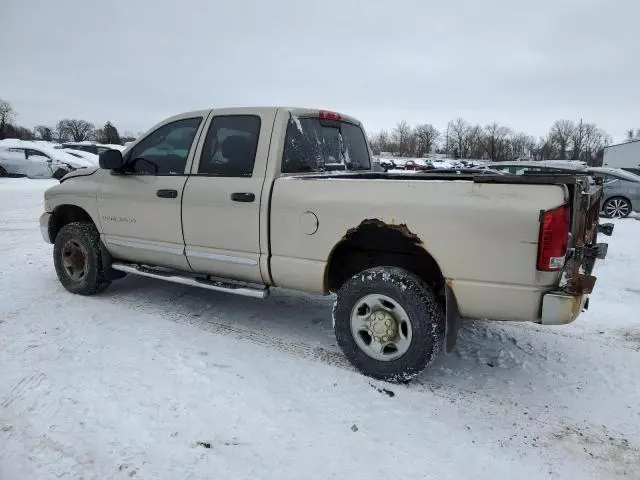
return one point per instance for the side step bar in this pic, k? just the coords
(247, 290)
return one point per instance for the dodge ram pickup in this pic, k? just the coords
(246, 199)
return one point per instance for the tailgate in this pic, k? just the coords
(585, 203)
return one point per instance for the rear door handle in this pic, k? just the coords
(167, 193)
(243, 197)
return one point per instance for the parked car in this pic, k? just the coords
(531, 167)
(239, 201)
(36, 160)
(621, 188)
(621, 191)
(92, 147)
(418, 166)
(90, 157)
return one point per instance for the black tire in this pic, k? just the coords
(416, 298)
(614, 205)
(3, 172)
(85, 238)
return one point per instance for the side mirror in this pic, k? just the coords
(111, 160)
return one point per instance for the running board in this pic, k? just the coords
(247, 290)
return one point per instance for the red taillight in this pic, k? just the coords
(324, 115)
(554, 239)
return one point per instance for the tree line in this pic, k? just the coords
(566, 140)
(66, 130)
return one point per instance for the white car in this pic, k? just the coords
(37, 160)
(92, 147)
(84, 155)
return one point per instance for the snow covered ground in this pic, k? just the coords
(153, 380)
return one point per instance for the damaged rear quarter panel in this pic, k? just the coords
(476, 232)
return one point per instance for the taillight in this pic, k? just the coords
(554, 239)
(324, 115)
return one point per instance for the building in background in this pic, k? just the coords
(623, 155)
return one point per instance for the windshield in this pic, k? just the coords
(314, 145)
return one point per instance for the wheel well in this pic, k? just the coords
(65, 214)
(374, 243)
(622, 197)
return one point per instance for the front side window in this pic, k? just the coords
(165, 151)
(36, 153)
(315, 145)
(230, 147)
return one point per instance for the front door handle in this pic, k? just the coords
(167, 193)
(243, 197)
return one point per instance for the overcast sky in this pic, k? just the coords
(524, 64)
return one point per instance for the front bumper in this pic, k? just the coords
(44, 226)
(560, 308)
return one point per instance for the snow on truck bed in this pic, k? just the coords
(153, 380)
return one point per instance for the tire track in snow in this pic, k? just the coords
(22, 388)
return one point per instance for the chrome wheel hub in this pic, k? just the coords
(617, 208)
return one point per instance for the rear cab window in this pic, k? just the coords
(314, 144)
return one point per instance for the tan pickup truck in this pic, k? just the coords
(243, 200)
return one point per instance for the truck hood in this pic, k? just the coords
(82, 172)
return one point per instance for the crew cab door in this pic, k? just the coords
(139, 208)
(222, 198)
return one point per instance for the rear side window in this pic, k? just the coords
(230, 146)
(314, 145)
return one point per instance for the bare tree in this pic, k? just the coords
(578, 139)
(476, 143)
(380, 142)
(426, 135)
(594, 142)
(561, 132)
(544, 149)
(6, 115)
(402, 136)
(496, 141)
(44, 133)
(521, 145)
(459, 136)
(76, 130)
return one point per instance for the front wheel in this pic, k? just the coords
(617, 207)
(388, 323)
(78, 260)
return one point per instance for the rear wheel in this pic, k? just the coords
(3, 172)
(78, 260)
(617, 207)
(388, 323)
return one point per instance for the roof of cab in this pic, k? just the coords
(295, 111)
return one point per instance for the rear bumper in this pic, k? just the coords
(559, 308)
(44, 226)
(518, 303)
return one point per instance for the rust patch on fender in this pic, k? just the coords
(374, 223)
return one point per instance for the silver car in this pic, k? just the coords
(621, 191)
